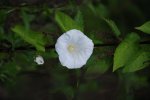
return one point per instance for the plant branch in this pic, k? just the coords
(25, 48)
(78, 82)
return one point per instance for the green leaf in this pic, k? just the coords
(79, 19)
(66, 22)
(102, 11)
(133, 81)
(10, 68)
(126, 51)
(140, 62)
(24, 59)
(98, 67)
(113, 27)
(95, 40)
(49, 54)
(99, 10)
(145, 27)
(68, 91)
(26, 19)
(34, 38)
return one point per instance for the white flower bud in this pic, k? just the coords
(39, 60)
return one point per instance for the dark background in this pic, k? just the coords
(53, 82)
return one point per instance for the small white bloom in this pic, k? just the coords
(39, 60)
(74, 49)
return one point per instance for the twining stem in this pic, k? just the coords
(80, 78)
(26, 48)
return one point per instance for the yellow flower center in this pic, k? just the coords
(71, 48)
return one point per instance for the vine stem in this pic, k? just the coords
(78, 82)
(26, 48)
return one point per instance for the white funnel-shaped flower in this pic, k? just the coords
(74, 49)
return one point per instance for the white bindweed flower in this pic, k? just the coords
(74, 49)
(39, 60)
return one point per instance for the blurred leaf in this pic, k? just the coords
(145, 47)
(145, 27)
(92, 21)
(26, 19)
(3, 77)
(50, 54)
(14, 40)
(2, 20)
(68, 91)
(53, 54)
(141, 61)
(101, 65)
(113, 27)
(25, 60)
(66, 22)
(92, 8)
(89, 86)
(34, 38)
(95, 40)
(1, 35)
(79, 19)
(3, 15)
(3, 56)
(135, 10)
(129, 82)
(133, 80)
(137, 81)
(99, 10)
(10, 69)
(126, 51)
(8, 73)
(114, 4)
(102, 11)
(60, 78)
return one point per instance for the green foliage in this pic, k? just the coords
(79, 19)
(3, 15)
(8, 73)
(68, 91)
(10, 69)
(93, 17)
(145, 47)
(126, 51)
(67, 23)
(24, 59)
(128, 83)
(95, 78)
(34, 38)
(113, 27)
(100, 67)
(130, 56)
(99, 10)
(140, 61)
(50, 54)
(91, 85)
(95, 40)
(26, 18)
(145, 27)
(135, 81)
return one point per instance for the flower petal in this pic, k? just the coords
(83, 48)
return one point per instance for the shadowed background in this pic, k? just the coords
(22, 79)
